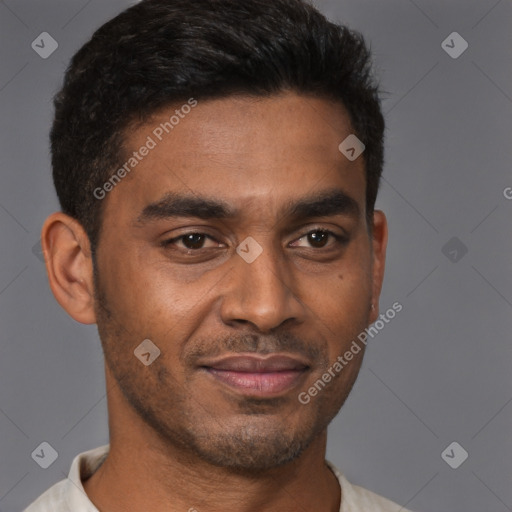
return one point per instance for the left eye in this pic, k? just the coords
(318, 238)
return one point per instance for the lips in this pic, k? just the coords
(249, 374)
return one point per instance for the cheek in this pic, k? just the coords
(152, 302)
(344, 292)
(340, 304)
(341, 313)
(135, 296)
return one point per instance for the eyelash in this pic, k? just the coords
(340, 239)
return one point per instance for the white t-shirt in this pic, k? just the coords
(69, 495)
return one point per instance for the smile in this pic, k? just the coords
(256, 376)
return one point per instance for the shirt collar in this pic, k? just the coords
(82, 467)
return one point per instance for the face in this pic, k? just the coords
(239, 246)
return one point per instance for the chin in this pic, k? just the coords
(251, 448)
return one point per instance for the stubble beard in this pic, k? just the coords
(185, 426)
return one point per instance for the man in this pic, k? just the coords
(217, 164)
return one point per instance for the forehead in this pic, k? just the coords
(251, 152)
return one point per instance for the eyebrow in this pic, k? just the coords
(326, 203)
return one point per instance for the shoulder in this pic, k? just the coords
(52, 500)
(358, 499)
(69, 495)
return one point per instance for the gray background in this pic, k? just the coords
(439, 372)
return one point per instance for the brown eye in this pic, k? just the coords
(193, 240)
(318, 238)
(190, 241)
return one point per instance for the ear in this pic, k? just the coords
(69, 266)
(379, 244)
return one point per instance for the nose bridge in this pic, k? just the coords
(262, 290)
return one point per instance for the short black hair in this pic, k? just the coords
(159, 52)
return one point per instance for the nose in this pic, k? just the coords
(263, 292)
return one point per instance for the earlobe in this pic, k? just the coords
(69, 266)
(379, 245)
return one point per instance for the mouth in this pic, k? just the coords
(256, 376)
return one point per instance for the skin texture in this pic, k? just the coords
(180, 439)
